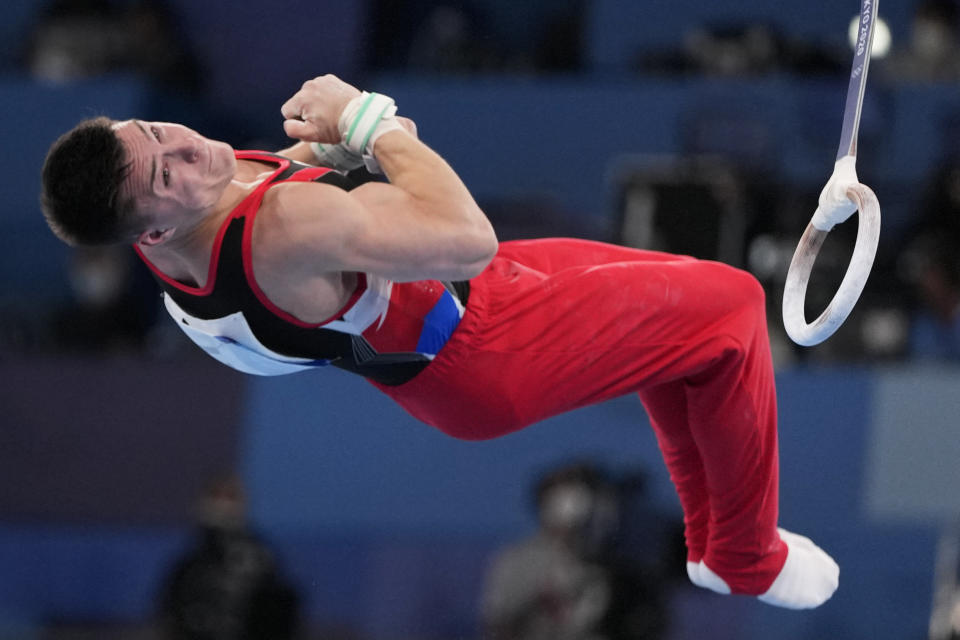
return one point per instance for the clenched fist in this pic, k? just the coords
(313, 112)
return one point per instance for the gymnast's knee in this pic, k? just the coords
(743, 301)
(739, 289)
(751, 291)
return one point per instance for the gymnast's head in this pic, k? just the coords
(108, 182)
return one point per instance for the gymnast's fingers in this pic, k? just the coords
(300, 130)
(292, 108)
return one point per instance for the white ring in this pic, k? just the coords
(795, 290)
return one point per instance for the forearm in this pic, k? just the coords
(438, 193)
(301, 152)
(368, 125)
(419, 171)
(432, 198)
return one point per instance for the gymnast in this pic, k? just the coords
(277, 263)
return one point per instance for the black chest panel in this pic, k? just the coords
(232, 293)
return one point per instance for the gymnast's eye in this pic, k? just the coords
(166, 176)
(155, 132)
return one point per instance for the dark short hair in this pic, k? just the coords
(81, 180)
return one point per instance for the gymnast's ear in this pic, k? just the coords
(154, 237)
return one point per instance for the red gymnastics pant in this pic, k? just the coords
(553, 325)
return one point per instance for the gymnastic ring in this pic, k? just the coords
(798, 276)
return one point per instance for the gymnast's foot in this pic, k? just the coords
(808, 578)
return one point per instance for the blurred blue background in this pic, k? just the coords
(607, 119)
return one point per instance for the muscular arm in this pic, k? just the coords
(423, 225)
(454, 233)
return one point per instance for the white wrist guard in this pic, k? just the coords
(336, 156)
(366, 118)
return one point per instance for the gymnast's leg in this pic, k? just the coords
(717, 433)
(666, 405)
(590, 322)
(703, 369)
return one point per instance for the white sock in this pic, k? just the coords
(702, 576)
(808, 578)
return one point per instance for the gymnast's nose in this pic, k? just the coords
(187, 148)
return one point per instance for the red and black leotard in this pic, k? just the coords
(387, 331)
(551, 326)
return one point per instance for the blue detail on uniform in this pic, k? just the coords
(438, 325)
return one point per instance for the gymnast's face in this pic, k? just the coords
(175, 173)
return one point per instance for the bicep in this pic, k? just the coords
(378, 228)
(400, 234)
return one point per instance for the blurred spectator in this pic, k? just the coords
(76, 39)
(932, 53)
(749, 49)
(933, 266)
(564, 583)
(449, 40)
(561, 45)
(541, 35)
(433, 36)
(472, 36)
(741, 49)
(929, 267)
(945, 612)
(228, 586)
(939, 211)
(115, 302)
